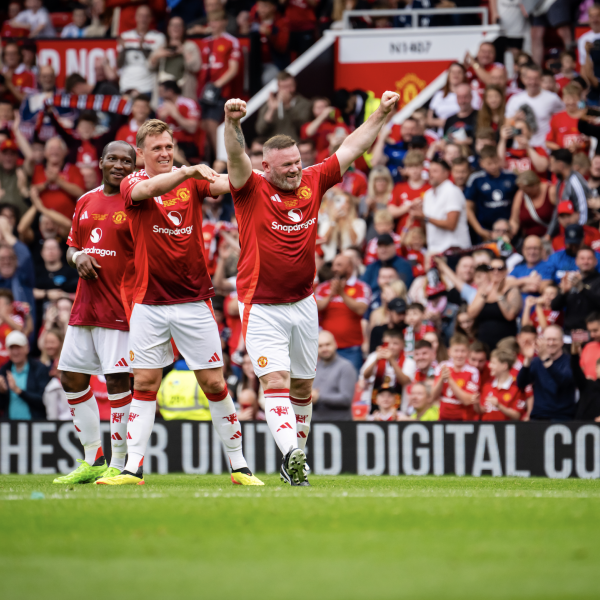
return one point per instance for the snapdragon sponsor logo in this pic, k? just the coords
(100, 251)
(166, 231)
(291, 228)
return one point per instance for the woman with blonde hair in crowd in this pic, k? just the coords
(379, 195)
(50, 344)
(339, 225)
(491, 113)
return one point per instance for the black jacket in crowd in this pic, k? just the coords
(37, 380)
(588, 407)
(579, 305)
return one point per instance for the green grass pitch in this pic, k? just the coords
(346, 538)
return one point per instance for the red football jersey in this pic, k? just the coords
(100, 229)
(564, 132)
(325, 129)
(507, 394)
(170, 267)
(553, 317)
(188, 109)
(278, 232)
(403, 193)
(216, 54)
(128, 133)
(343, 323)
(53, 196)
(517, 160)
(23, 79)
(452, 409)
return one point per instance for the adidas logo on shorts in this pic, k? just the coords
(214, 358)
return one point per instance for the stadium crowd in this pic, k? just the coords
(458, 269)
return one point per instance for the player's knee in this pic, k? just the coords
(301, 388)
(147, 380)
(211, 380)
(74, 382)
(117, 383)
(277, 380)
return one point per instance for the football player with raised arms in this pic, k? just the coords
(171, 297)
(277, 214)
(97, 339)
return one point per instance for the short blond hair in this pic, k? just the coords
(151, 127)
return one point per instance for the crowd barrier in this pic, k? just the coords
(556, 450)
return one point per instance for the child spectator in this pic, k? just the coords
(457, 383)
(478, 358)
(387, 405)
(388, 364)
(491, 113)
(549, 83)
(501, 399)
(567, 71)
(521, 156)
(564, 132)
(76, 28)
(382, 223)
(406, 192)
(416, 328)
(424, 358)
(537, 310)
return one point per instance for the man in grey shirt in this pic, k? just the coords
(333, 388)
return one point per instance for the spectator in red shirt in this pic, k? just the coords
(424, 358)
(537, 310)
(568, 215)
(183, 116)
(567, 70)
(274, 37)
(501, 399)
(456, 383)
(406, 192)
(13, 316)
(564, 132)
(342, 302)
(478, 68)
(140, 111)
(18, 79)
(591, 351)
(302, 19)
(8, 29)
(58, 183)
(221, 57)
(521, 156)
(478, 358)
(326, 120)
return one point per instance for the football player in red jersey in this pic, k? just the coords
(97, 339)
(171, 296)
(277, 218)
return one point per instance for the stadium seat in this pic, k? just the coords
(60, 19)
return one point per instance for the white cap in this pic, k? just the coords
(15, 338)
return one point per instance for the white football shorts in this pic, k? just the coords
(282, 337)
(95, 351)
(192, 326)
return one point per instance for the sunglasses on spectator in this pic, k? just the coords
(498, 269)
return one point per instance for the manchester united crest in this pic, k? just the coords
(119, 217)
(262, 362)
(131, 356)
(304, 192)
(183, 194)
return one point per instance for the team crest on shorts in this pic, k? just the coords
(183, 194)
(262, 362)
(119, 217)
(131, 355)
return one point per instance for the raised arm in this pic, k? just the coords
(164, 183)
(239, 166)
(360, 140)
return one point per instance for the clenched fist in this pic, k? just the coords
(235, 109)
(389, 100)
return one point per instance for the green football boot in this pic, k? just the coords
(84, 473)
(110, 472)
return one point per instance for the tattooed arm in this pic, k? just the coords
(239, 166)
(510, 304)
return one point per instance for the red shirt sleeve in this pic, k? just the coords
(73, 239)
(244, 194)
(330, 174)
(322, 291)
(202, 188)
(551, 135)
(127, 186)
